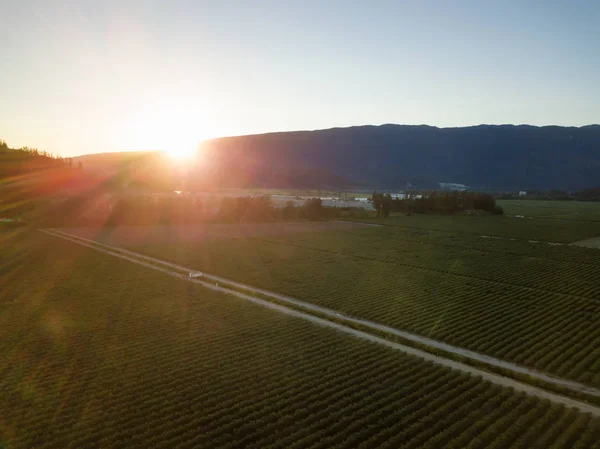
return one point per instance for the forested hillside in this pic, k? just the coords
(29, 177)
(390, 156)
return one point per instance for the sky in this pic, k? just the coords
(84, 76)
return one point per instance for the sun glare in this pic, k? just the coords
(181, 153)
(171, 126)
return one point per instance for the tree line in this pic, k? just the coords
(18, 160)
(28, 177)
(104, 210)
(588, 194)
(434, 202)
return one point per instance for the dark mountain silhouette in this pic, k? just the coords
(389, 156)
(144, 170)
(498, 157)
(110, 163)
(154, 171)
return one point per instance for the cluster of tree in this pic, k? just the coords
(434, 202)
(18, 160)
(592, 194)
(166, 210)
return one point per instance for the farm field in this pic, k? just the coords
(589, 243)
(539, 229)
(564, 210)
(529, 303)
(99, 352)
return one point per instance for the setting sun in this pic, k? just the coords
(181, 153)
(170, 125)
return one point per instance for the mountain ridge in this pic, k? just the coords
(391, 156)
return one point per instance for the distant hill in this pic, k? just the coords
(110, 163)
(390, 156)
(149, 170)
(153, 170)
(498, 157)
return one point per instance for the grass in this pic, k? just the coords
(529, 303)
(499, 226)
(98, 352)
(564, 210)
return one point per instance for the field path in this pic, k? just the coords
(181, 272)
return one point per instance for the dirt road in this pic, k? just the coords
(181, 272)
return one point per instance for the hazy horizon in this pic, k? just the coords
(86, 77)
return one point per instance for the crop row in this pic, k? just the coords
(527, 270)
(115, 355)
(505, 227)
(548, 331)
(517, 247)
(381, 237)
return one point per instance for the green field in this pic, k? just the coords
(99, 352)
(542, 229)
(564, 210)
(530, 303)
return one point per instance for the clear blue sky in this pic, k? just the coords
(90, 76)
